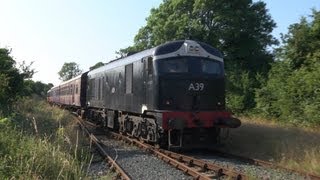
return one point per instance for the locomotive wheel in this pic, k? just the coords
(128, 126)
(143, 130)
(135, 131)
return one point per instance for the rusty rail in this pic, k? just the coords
(199, 169)
(204, 165)
(113, 164)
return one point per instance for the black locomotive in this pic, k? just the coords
(172, 95)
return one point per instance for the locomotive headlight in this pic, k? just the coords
(168, 102)
(220, 105)
(193, 49)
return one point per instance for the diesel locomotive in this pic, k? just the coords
(172, 95)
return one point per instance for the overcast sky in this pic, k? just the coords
(51, 32)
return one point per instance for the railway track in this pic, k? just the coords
(195, 167)
(201, 169)
(198, 169)
(121, 174)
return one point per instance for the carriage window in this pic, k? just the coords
(128, 76)
(211, 67)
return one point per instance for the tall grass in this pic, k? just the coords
(296, 148)
(38, 142)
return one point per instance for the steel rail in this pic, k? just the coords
(204, 164)
(199, 169)
(113, 164)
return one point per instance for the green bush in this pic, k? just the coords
(292, 92)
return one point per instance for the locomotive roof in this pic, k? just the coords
(166, 48)
(124, 60)
(156, 51)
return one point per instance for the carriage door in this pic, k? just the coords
(147, 83)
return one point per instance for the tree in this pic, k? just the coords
(241, 29)
(97, 65)
(36, 88)
(292, 92)
(11, 81)
(69, 71)
(26, 70)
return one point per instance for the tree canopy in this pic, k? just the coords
(241, 29)
(97, 65)
(293, 90)
(69, 70)
(11, 81)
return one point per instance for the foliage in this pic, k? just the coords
(69, 70)
(292, 91)
(97, 65)
(33, 144)
(11, 81)
(241, 29)
(26, 70)
(16, 82)
(240, 97)
(31, 87)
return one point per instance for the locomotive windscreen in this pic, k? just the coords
(190, 65)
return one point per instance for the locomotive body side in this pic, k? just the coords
(121, 86)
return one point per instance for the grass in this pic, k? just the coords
(292, 147)
(39, 142)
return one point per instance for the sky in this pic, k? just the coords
(52, 32)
